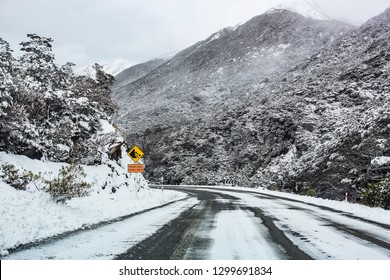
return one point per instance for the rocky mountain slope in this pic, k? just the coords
(230, 65)
(135, 72)
(282, 101)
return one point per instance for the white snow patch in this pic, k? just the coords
(346, 181)
(82, 101)
(303, 8)
(84, 124)
(63, 147)
(230, 241)
(216, 36)
(380, 161)
(107, 128)
(283, 46)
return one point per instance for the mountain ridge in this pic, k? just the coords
(251, 48)
(317, 126)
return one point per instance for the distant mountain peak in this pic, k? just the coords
(303, 8)
(112, 67)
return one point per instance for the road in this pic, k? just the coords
(216, 223)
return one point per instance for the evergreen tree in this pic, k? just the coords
(37, 64)
(6, 76)
(102, 91)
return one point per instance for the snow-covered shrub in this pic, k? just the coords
(378, 194)
(372, 196)
(14, 177)
(311, 192)
(68, 184)
(386, 195)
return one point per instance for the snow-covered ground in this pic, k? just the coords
(32, 215)
(110, 240)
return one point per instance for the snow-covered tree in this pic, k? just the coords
(6, 74)
(37, 63)
(97, 90)
(50, 112)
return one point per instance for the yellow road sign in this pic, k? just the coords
(135, 154)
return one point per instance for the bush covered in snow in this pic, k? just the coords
(377, 194)
(14, 177)
(68, 184)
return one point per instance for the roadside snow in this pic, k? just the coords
(31, 215)
(109, 240)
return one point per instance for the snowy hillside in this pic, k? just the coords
(196, 81)
(282, 101)
(135, 72)
(224, 71)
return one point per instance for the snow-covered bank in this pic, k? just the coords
(32, 215)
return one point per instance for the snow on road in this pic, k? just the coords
(239, 235)
(321, 233)
(230, 230)
(232, 234)
(107, 241)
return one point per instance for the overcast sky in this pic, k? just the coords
(88, 31)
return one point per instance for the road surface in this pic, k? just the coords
(219, 223)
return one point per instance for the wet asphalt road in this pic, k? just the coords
(180, 238)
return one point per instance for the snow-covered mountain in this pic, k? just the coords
(303, 8)
(135, 72)
(282, 101)
(112, 67)
(210, 72)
